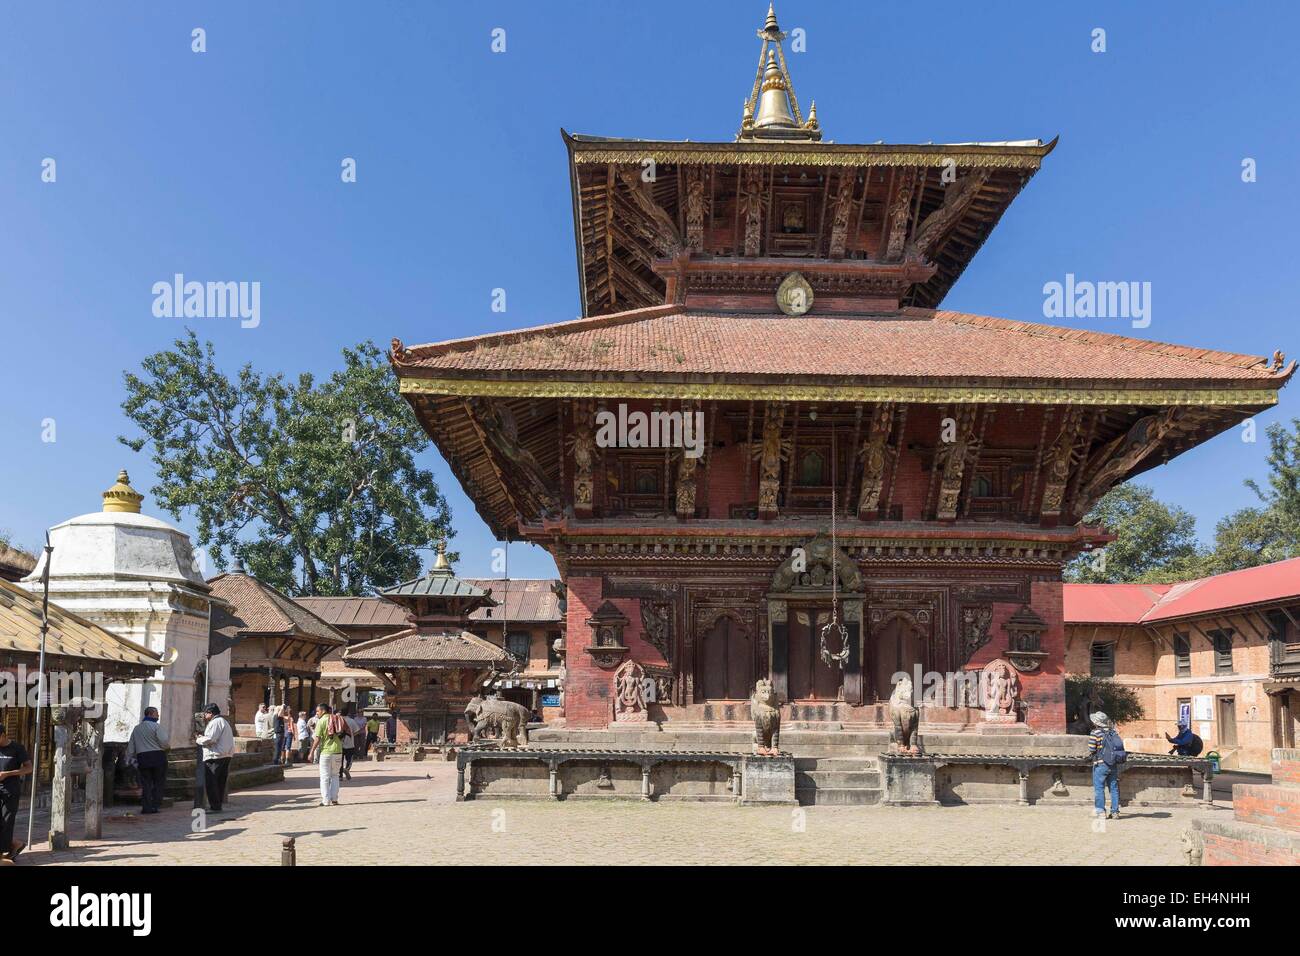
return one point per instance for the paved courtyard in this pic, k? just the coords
(403, 813)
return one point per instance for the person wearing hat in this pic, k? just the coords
(218, 743)
(15, 763)
(1106, 750)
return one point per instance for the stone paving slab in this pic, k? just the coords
(404, 813)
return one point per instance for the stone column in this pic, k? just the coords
(60, 780)
(95, 781)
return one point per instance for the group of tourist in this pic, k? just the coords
(288, 733)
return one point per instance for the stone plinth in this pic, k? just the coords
(767, 780)
(1265, 829)
(909, 781)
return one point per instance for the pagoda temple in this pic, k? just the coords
(839, 480)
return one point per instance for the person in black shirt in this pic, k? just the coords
(14, 765)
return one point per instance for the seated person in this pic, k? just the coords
(1186, 744)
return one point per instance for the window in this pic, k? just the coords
(812, 469)
(552, 658)
(1222, 641)
(1103, 660)
(647, 482)
(517, 646)
(982, 487)
(1182, 656)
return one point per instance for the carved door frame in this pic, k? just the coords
(812, 586)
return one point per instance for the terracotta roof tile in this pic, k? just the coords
(912, 343)
(442, 647)
(257, 608)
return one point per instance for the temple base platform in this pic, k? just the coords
(817, 767)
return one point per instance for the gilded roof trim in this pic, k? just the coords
(991, 156)
(925, 395)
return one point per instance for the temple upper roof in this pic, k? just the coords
(779, 191)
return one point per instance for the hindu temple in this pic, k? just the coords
(766, 451)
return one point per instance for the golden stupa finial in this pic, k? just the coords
(812, 116)
(772, 110)
(440, 562)
(770, 27)
(122, 498)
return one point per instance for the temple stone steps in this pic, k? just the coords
(837, 781)
(248, 768)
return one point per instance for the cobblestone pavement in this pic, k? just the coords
(404, 813)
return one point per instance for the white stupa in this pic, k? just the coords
(137, 577)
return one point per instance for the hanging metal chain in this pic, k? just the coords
(842, 656)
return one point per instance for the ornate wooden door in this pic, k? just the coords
(810, 677)
(726, 659)
(895, 646)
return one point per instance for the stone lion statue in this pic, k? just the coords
(763, 707)
(906, 718)
(503, 716)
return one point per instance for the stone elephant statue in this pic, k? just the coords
(504, 716)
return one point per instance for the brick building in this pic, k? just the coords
(276, 646)
(527, 622)
(1223, 651)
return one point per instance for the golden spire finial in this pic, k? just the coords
(772, 110)
(812, 116)
(122, 498)
(770, 26)
(440, 563)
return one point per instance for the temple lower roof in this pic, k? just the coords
(918, 348)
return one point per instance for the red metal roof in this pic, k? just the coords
(1110, 603)
(1147, 603)
(911, 343)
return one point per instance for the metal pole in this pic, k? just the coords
(40, 688)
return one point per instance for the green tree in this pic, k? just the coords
(1247, 538)
(1085, 693)
(314, 485)
(1153, 542)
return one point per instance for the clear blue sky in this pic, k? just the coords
(225, 165)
